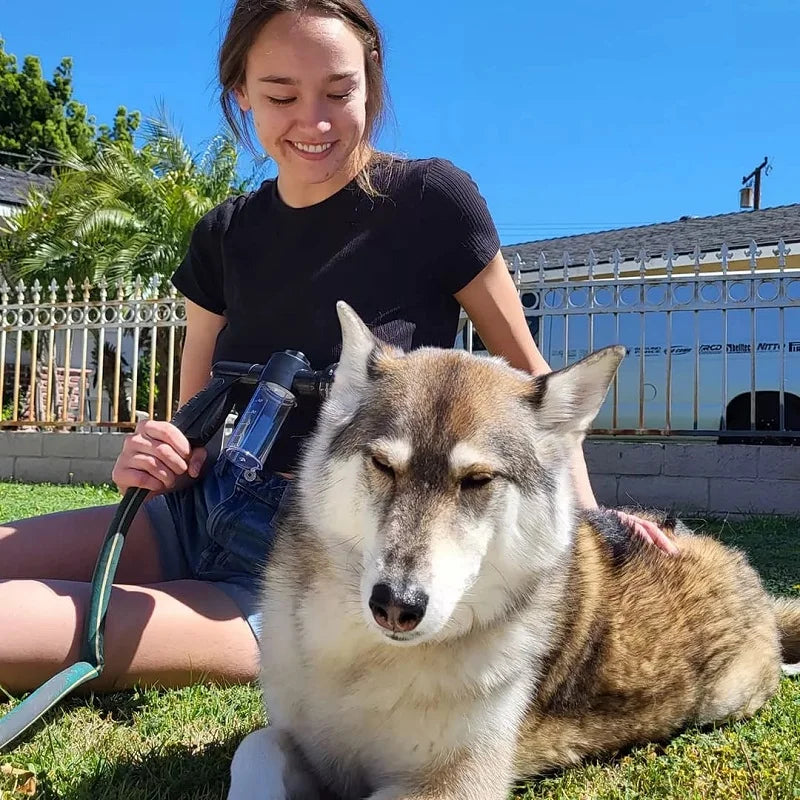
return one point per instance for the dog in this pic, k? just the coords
(440, 621)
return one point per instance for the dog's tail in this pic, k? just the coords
(787, 613)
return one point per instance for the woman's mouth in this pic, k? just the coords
(311, 150)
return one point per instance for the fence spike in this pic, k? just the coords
(698, 255)
(642, 260)
(616, 258)
(591, 263)
(753, 254)
(566, 262)
(541, 264)
(782, 251)
(669, 257)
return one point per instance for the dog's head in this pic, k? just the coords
(444, 478)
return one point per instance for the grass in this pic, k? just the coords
(165, 745)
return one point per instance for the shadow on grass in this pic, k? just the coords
(176, 772)
(121, 707)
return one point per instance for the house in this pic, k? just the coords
(15, 186)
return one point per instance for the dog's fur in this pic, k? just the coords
(548, 636)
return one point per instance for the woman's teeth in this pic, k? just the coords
(313, 148)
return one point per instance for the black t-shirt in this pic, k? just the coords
(276, 272)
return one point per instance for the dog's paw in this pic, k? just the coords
(257, 768)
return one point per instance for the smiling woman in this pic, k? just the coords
(405, 242)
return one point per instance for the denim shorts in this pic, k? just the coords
(221, 530)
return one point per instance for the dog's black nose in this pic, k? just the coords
(397, 611)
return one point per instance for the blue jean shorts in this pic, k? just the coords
(221, 529)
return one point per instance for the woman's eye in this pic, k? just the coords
(341, 96)
(280, 101)
(382, 466)
(476, 481)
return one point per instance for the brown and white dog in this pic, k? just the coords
(440, 621)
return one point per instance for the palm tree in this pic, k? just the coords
(128, 211)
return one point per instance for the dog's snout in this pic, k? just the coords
(397, 611)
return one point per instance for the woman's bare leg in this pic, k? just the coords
(169, 634)
(65, 545)
(157, 633)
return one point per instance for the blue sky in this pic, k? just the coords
(570, 116)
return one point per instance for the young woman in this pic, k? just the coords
(405, 242)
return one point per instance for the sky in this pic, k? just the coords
(570, 116)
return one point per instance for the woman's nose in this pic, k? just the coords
(314, 116)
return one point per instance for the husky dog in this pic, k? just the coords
(440, 621)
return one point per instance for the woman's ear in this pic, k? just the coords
(240, 93)
(375, 56)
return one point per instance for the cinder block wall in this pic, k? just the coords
(698, 478)
(53, 457)
(695, 478)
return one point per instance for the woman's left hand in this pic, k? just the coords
(648, 531)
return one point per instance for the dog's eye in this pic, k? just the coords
(476, 480)
(382, 466)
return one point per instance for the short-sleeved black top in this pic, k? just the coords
(275, 272)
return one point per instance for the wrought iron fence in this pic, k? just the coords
(713, 339)
(713, 343)
(96, 356)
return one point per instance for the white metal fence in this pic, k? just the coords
(713, 339)
(88, 357)
(713, 343)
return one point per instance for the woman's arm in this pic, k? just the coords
(202, 329)
(492, 303)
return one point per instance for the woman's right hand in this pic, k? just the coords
(155, 456)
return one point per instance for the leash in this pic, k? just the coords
(198, 419)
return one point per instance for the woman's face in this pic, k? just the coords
(306, 87)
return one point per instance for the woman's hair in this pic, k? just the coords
(247, 20)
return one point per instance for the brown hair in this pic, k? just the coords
(247, 20)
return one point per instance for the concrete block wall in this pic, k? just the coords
(694, 478)
(55, 457)
(702, 478)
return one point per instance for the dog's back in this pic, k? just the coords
(648, 644)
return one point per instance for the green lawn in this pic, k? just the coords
(177, 744)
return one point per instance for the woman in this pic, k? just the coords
(405, 242)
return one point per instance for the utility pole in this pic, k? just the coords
(744, 199)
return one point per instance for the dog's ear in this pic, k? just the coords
(358, 344)
(569, 399)
(357, 363)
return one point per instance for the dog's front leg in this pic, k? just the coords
(268, 766)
